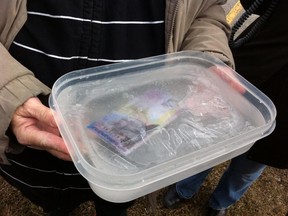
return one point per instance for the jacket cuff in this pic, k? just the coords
(12, 95)
(227, 60)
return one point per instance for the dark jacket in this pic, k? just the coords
(260, 10)
(198, 25)
(263, 61)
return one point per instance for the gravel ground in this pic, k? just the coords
(268, 196)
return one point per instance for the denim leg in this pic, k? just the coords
(236, 180)
(189, 186)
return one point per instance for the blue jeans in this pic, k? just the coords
(235, 181)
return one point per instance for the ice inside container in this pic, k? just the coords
(139, 124)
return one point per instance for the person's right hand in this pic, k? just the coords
(33, 125)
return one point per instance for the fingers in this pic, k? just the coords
(46, 140)
(49, 142)
(60, 155)
(36, 109)
(33, 125)
(228, 76)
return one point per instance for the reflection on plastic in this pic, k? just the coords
(154, 124)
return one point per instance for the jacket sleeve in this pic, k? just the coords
(13, 15)
(17, 84)
(204, 28)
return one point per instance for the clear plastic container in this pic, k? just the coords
(136, 127)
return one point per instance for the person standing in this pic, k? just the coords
(42, 40)
(261, 58)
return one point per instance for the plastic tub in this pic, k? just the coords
(136, 127)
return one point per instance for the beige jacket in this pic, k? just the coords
(189, 25)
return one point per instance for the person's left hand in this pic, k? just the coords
(229, 77)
